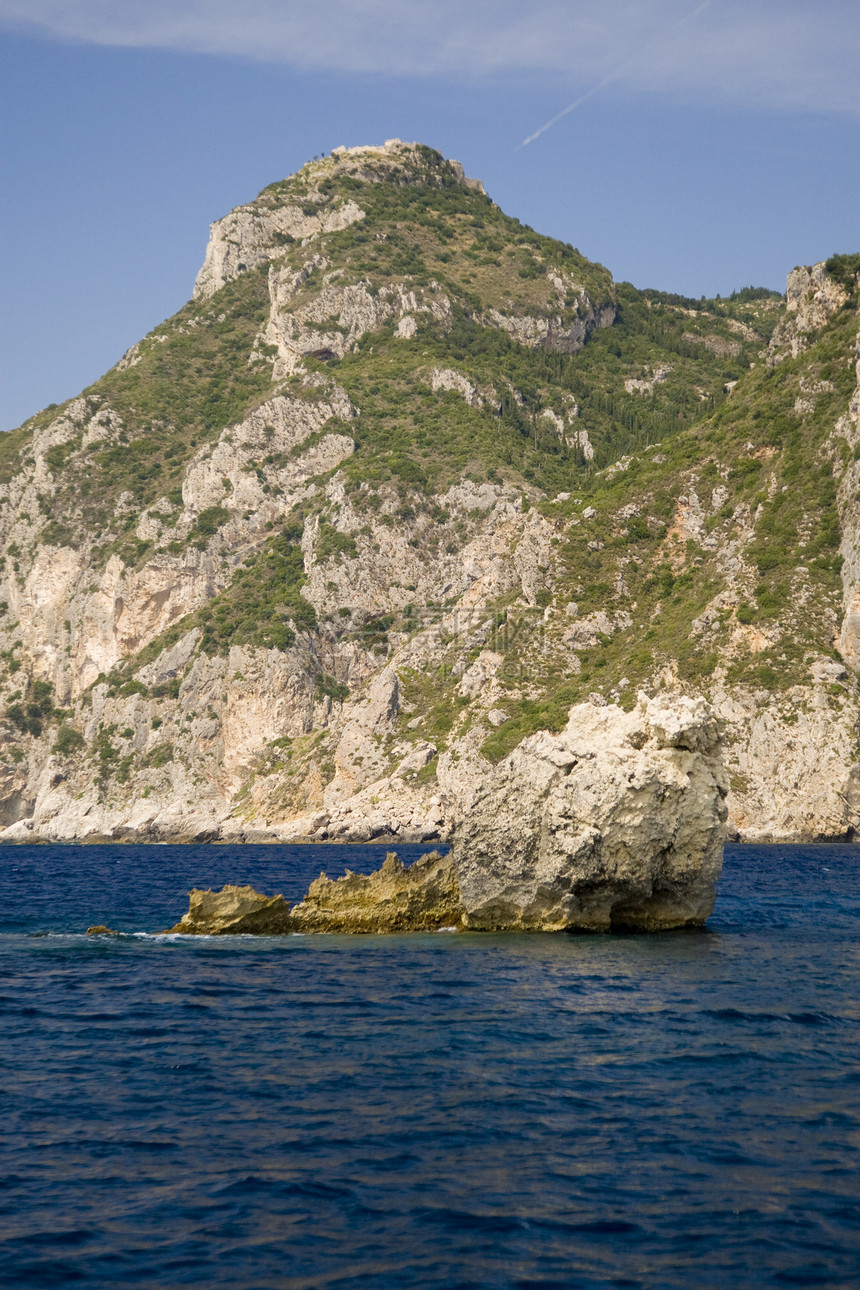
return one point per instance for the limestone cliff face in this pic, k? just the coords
(247, 238)
(812, 297)
(326, 546)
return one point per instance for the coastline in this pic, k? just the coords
(439, 839)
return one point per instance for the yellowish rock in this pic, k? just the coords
(424, 897)
(234, 911)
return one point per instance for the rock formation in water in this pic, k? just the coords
(234, 911)
(616, 823)
(422, 898)
(402, 482)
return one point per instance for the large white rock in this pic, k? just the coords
(616, 823)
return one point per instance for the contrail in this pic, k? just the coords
(613, 75)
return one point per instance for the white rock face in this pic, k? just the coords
(586, 632)
(812, 296)
(646, 384)
(446, 378)
(334, 319)
(276, 428)
(249, 236)
(581, 438)
(129, 608)
(552, 333)
(793, 780)
(716, 344)
(617, 822)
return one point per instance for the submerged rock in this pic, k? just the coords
(616, 823)
(234, 911)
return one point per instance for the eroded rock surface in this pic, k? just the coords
(423, 897)
(234, 911)
(616, 823)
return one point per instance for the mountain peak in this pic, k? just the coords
(405, 482)
(396, 147)
(323, 197)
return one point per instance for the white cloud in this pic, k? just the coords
(785, 54)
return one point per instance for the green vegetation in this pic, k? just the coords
(159, 756)
(192, 379)
(845, 268)
(330, 543)
(34, 709)
(207, 523)
(261, 608)
(68, 741)
(328, 687)
(107, 753)
(666, 437)
(263, 602)
(549, 713)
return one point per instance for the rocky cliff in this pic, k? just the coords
(403, 482)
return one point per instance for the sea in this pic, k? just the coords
(432, 1111)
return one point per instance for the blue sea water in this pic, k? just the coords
(429, 1111)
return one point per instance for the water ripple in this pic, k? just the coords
(428, 1112)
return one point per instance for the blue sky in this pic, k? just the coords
(698, 147)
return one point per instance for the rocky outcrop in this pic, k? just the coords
(655, 376)
(554, 332)
(234, 911)
(248, 237)
(812, 297)
(335, 319)
(616, 823)
(446, 378)
(716, 344)
(422, 898)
